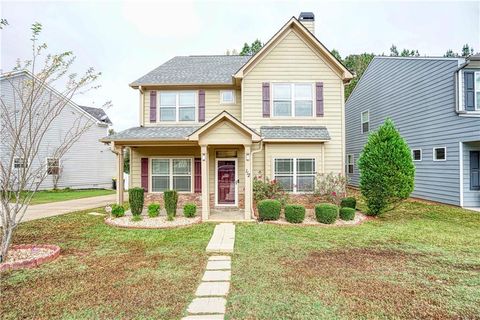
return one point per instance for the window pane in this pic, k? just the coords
(303, 91)
(168, 98)
(160, 166)
(187, 114)
(181, 166)
(227, 96)
(160, 184)
(167, 114)
(440, 153)
(477, 80)
(282, 92)
(305, 183)
(417, 155)
(305, 166)
(365, 117)
(186, 99)
(182, 183)
(478, 98)
(282, 108)
(283, 166)
(286, 182)
(350, 168)
(365, 127)
(303, 108)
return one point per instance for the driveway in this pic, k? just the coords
(39, 211)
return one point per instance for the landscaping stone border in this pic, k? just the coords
(34, 262)
(109, 221)
(283, 222)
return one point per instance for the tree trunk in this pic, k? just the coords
(6, 242)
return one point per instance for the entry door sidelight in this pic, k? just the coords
(226, 181)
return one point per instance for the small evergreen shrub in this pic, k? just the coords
(347, 213)
(349, 202)
(153, 210)
(170, 199)
(269, 209)
(294, 213)
(135, 198)
(136, 218)
(189, 210)
(118, 210)
(326, 213)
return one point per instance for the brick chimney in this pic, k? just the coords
(308, 20)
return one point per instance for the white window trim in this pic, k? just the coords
(26, 163)
(292, 100)
(475, 90)
(361, 121)
(46, 164)
(227, 102)
(421, 154)
(433, 153)
(177, 106)
(170, 172)
(352, 164)
(294, 174)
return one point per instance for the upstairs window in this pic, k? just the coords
(440, 154)
(53, 166)
(177, 106)
(470, 99)
(292, 99)
(417, 154)
(477, 90)
(365, 121)
(227, 97)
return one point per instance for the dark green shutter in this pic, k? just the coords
(469, 90)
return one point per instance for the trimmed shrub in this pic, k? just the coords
(387, 172)
(135, 198)
(170, 199)
(269, 209)
(349, 202)
(347, 213)
(118, 210)
(137, 217)
(189, 210)
(294, 213)
(153, 210)
(326, 213)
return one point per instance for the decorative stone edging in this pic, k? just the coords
(111, 222)
(283, 222)
(34, 262)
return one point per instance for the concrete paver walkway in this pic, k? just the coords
(210, 302)
(39, 211)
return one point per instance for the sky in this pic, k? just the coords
(126, 39)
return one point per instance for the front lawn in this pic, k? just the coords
(105, 272)
(421, 261)
(46, 196)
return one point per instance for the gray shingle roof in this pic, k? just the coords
(97, 113)
(295, 132)
(195, 70)
(152, 133)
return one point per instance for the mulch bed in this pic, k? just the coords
(159, 222)
(29, 256)
(311, 221)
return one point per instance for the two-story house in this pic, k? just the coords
(435, 104)
(210, 124)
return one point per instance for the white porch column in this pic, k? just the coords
(119, 151)
(205, 183)
(248, 182)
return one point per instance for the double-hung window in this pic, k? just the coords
(53, 166)
(177, 106)
(295, 174)
(477, 90)
(350, 163)
(19, 163)
(365, 121)
(173, 174)
(292, 99)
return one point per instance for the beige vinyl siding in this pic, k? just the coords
(144, 152)
(258, 162)
(222, 132)
(293, 60)
(212, 106)
(290, 150)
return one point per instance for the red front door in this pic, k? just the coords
(226, 181)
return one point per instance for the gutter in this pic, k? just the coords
(252, 153)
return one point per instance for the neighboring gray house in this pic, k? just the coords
(87, 164)
(435, 104)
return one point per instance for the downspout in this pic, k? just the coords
(252, 153)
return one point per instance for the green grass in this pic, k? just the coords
(421, 261)
(105, 272)
(47, 196)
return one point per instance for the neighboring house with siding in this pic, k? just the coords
(88, 163)
(209, 124)
(435, 104)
